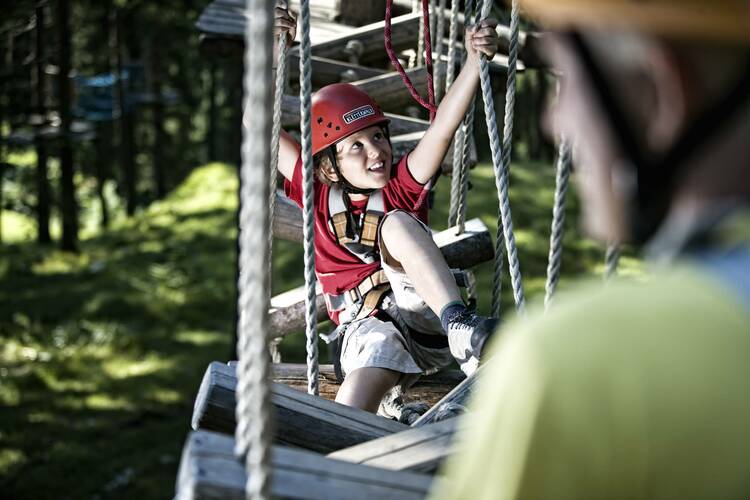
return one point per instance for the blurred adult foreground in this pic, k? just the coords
(635, 390)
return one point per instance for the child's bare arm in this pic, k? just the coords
(426, 158)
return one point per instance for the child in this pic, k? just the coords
(386, 283)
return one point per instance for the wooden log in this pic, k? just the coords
(405, 31)
(389, 91)
(209, 470)
(418, 449)
(287, 219)
(429, 389)
(404, 143)
(326, 71)
(399, 124)
(301, 420)
(464, 251)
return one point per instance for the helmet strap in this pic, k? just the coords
(348, 187)
(656, 176)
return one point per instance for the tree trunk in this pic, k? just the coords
(42, 181)
(69, 207)
(127, 159)
(158, 116)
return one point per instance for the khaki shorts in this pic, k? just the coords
(372, 342)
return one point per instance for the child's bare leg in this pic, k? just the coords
(407, 242)
(364, 388)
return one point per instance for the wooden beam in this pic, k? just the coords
(326, 71)
(301, 420)
(464, 251)
(405, 32)
(287, 218)
(209, 470)
(418, 449)
(389, 90)
(404, 143)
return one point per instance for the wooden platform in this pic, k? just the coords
(209, 470)
(302, 420)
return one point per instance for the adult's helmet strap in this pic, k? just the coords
(656, 176)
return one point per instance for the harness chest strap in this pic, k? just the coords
(358, 238)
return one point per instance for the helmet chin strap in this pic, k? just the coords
(656, 176)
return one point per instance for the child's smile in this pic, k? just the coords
(365, 158)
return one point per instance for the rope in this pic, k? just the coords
(439, 66)
(413, 57)
(450, 72)
(311, 310)
(275, 134)
(430, 103)
(501, 163)
(611, 259)
(253, 431)
(423, 25)
(461, 142)
(558, 221)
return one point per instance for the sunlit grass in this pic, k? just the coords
(108, 347)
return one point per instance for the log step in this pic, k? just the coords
(301, 420)
(209, 470)
(420, 449)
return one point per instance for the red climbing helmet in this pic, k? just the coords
(339, 110)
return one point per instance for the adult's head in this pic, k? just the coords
(656, 95)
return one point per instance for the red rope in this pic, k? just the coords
(429, 104)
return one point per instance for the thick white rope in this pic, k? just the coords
(501, 163)
(274, 170)
(461, 150)
(562, 177)
(254, 425)
(438, 58)
(305, 91)
(450, 71)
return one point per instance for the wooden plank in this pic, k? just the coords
(301, 420)
(389, 90)
(419, 449)
(464, 251)
(287, 218)
(209, 470)
(326, 71)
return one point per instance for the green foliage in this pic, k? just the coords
(102, 353)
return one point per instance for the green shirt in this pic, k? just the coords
(634, 390)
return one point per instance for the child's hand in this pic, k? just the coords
(285, 21)
(481, 38)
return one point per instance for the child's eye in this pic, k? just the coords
(357, 145)
(378, 135)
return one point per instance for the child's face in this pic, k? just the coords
(365, 158)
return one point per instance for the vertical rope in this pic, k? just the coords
(450, 72)
(612, 259)
(439, 66)
(461, 150)
(413, 58)
(254, 432)
(558, 221)
(311, 310)
(499, 157)
(423, 24)
(275, 135)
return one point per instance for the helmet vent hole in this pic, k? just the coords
(320, 120)
(338, 128)
(330, 124)
(325, 134)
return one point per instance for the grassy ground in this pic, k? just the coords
(101, 353)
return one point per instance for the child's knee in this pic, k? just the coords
(397, 225)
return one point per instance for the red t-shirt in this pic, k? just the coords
(337, 269)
